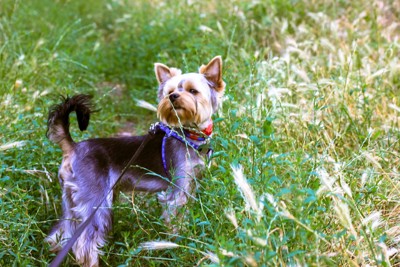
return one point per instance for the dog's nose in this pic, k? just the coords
(173, 97)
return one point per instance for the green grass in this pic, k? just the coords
(312, 116)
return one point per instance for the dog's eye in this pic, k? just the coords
(193, 91)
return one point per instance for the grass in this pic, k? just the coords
(306, 169)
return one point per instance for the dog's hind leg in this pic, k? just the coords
(87, 246)
(65, 228)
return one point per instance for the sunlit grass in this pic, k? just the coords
(307, 151)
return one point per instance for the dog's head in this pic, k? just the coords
(189, 99)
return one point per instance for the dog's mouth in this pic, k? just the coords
(176, 113)
(176, 107)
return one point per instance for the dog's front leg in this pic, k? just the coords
(174, 198)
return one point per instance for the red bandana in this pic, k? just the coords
(198, 136)
(208, 131)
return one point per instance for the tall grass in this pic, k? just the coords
(306, 163)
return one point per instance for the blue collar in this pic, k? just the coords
(169, 132)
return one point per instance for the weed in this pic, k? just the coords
(306, 164)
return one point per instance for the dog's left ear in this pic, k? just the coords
(213, 72)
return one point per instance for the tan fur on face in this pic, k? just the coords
(189, 108)
(193, 109)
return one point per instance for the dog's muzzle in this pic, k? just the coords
(173, 97)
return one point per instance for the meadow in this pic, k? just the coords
(306, 169)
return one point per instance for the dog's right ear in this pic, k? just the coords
(163, 73)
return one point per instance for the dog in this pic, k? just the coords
(169, 163)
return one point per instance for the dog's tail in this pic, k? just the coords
(58, 121)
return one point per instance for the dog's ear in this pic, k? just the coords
(213, 72)
(163, 73)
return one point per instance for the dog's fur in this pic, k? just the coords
(90, 168)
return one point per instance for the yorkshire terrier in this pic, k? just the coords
(168, 164)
